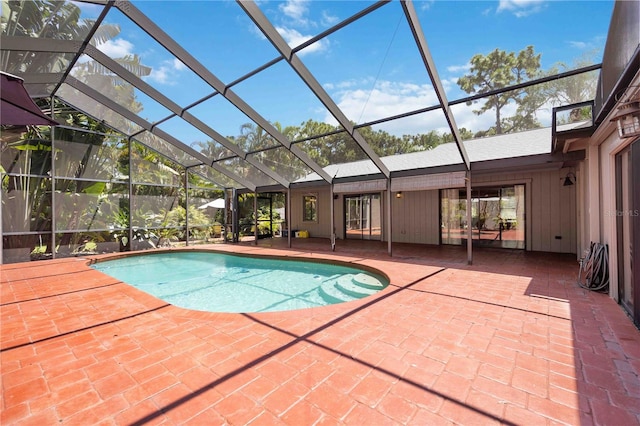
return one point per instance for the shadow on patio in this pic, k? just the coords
(511, 339)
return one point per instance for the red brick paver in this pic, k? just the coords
(510, 339)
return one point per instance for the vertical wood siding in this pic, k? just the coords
(551, 211)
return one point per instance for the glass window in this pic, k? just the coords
(310, 208)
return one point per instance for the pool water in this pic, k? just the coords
(218, 282)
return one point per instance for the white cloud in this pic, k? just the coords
(295, 38)
(459, 68)
(116, 48)
(296, 10)
(426, 4)
(466, 118)
(328, 20)
(178, 65)
(167, 72)
(521, 8)
(361, 104)
(578, 44)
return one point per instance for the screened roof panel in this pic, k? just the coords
(406, 134)
(186, 133)
(247, 171)
(279, 84)
(65, 28)
(136, 50)
(220, 179)
(102, 79)
(167, 149)
(239, 46)
(569, 32)
(283, 162)
(478, 121)
(220, 114)
(19, 61)
(380, 73)
(355, 169)
(298, 22)
(370, 66)
(442, 155)
(85, 103)
(332, 149)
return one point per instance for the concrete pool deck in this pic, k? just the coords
(511, 339)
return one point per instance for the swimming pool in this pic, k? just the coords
(219, 282)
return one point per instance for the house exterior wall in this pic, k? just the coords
(320, 228)
(416, 217)
(606, 215)
(551, 211)
(551, 207)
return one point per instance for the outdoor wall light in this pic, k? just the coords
(628, 119)
(399, 194)
(569, 179)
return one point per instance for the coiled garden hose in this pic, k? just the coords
(594, 268)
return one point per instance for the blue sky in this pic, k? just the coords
(371, 69)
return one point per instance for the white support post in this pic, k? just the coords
(255, 218)
(333, 221)
(469, 223)
(389, 221)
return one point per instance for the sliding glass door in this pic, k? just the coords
(497, 216)
(627, 212)
(363, 217)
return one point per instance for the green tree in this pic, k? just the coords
(574, 89)
(498, 70)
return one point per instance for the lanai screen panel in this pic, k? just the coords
(190, 135)
(298, 109)
(239, 47)
(165, 148)
(380, 73)
(85, 155)
(565, 37)
(407, 134)
(102, 79)
(18, 61)
(299, 22)
(526, 108)
(149, 60)
(28, 22)
(247, 171)
(339, 155)
(219, 180)
(82, 102)
(283, 162)
(221, 115)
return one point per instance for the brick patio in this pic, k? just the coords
(511, 339)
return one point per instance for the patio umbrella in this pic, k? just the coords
(18, 109)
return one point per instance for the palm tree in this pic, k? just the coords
(59, 20)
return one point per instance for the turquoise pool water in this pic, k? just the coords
(217, 282)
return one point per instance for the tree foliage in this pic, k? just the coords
(500, 69)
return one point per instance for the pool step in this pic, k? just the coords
(350, 287)
(347, 284)
(368, 281)
(333, 294)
